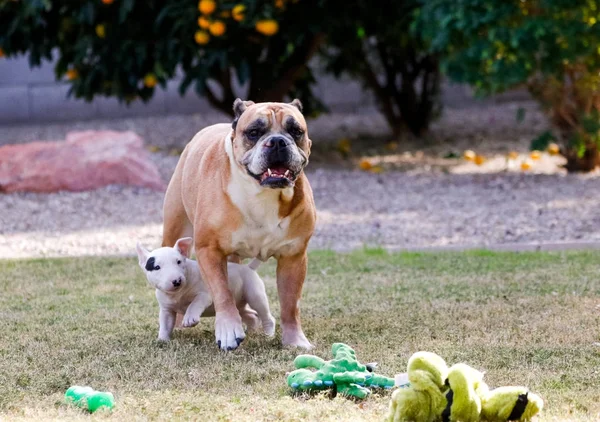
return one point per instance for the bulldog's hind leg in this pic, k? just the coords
(176, 223)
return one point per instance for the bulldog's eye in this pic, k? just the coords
(157, 268)
(178, 261)
(253, 134)
(296, 132)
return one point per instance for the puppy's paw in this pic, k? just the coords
(269, 326)
(252, 322)
(190, 321)
(229, 331)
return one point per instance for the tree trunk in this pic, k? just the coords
(588, 162)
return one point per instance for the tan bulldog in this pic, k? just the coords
(240, 191)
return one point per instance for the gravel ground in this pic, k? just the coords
(395, 209)
(421, 207)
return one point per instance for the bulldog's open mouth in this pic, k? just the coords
(276, 176)
(276, 173)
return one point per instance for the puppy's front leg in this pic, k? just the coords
(291, 271)
(229, 331)
(166, 322)
(195, 310)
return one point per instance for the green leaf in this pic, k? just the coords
(125, 8)
(541, 142)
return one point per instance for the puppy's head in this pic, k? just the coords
(270, 141)
(165, 267)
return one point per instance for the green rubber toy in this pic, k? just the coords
(88, 398)
(344, 374)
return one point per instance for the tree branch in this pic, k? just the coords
(214, 101)
(294, 66)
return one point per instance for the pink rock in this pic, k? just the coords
(84, 161)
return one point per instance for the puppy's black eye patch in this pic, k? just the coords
(150, 265)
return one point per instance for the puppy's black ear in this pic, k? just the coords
(297, 103)
(239, 107)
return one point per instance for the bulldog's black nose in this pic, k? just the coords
(278, 148)
(276, 142)
(177, 282)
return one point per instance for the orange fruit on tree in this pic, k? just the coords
(207, 6)
(150, 80)
(280, 4)
(469, 155)
(365, 164)
(513, 155)
(100, 31)
(525, 165)
(72, 74)
(238, 12)
(553, 149)
(107, 1)
(267, 27)
(535, 155)
(479, 160)
(217, 28)
(203, 22)
(201, 37)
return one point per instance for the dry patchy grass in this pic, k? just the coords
(527, 319)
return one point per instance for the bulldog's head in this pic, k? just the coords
(270, 141)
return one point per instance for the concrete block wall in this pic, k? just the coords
(33, 95)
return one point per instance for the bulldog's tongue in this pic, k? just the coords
(278, 171)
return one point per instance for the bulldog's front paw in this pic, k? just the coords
(229, 331)
(190, 321)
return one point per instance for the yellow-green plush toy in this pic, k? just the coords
(458, 394)
(424, 400)
(510, 404)
(463, 402)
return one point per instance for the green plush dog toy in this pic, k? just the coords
(439, 393)
(344, 374)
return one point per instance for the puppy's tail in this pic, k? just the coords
(254, 264)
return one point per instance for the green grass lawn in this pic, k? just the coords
(526, 319)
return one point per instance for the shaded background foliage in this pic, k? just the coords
(549, 46)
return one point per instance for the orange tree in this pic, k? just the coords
(124, 48)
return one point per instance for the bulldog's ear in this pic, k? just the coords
(239, 107)
(297, 103)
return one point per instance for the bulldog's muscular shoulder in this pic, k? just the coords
(205, 153)
(205, 170)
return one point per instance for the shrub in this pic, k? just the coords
(124, 48)
(371, 41)
(549, 46)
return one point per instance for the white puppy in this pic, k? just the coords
(181, 290)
